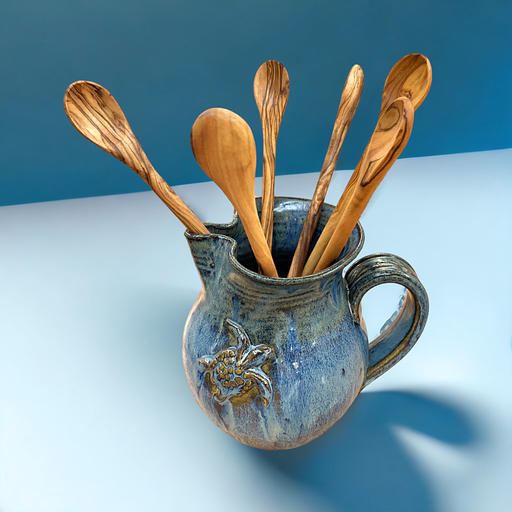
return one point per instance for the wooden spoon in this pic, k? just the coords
(271, 90)
(223, 145)
(387, 143)
(410, 77)
(94, 112)
(346, 110)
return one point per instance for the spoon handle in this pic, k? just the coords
(170, 198)
(346, 110)
(372, 173)
(132, 154)
(333, 221)
(249, 217)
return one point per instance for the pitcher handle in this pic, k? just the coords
(394, 343)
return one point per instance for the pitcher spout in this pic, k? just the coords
(211, 256)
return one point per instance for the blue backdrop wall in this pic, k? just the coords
(167, 61)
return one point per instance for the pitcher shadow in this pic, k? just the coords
(360, 464)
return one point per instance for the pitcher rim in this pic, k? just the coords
(279, 281)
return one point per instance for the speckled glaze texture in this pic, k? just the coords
(275, 362)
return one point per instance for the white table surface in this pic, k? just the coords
(95, 411)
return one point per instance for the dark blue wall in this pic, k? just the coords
(167, 61)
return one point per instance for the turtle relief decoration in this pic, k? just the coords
(235, 371)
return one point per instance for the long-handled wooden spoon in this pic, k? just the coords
(223, 145)
(271, 90)
(410, 77)
(94, 112)
(387, 143)
(346, 110)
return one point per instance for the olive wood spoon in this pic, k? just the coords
(224, 147)
(410, 77)
(271, 91)
(346, 110)
(94, 112)
(387, 143)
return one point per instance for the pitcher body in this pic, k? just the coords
(274, 362)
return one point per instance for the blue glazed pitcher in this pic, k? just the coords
(275, 362)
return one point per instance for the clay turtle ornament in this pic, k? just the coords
(234, 371)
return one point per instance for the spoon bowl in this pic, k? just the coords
(410, 77)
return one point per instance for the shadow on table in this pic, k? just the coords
(361, 465)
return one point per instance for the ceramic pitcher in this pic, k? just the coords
(275, 362)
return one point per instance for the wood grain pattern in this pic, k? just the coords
(348, 105)
(386, 145)
(410, 77)
(271, 91)
(224, 147)
(94, 112)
